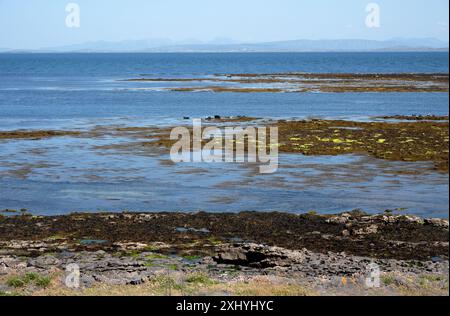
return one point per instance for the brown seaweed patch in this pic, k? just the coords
(405, 141)
(416, 117)
(436, 77)
(423, 140)
(311, 82)
(35, 134)
(381, 236)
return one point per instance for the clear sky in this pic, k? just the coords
(41, 23)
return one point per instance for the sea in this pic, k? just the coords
(82, 91)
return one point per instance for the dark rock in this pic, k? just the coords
(43, 262)
(436, 259)
(255, 255)
(87, 280)
(136, 281)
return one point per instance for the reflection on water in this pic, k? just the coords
(59, 175)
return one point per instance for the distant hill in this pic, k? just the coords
(315, 46)
(226, 45)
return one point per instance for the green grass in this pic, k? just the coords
(31, 277)
(387, 280)
(172, 267)
(15, 282)
(133, 254)
(214, 241)
(192, 257)
(149, 259)
(2, 293)
(151, 248)
(432, 277)
(56, 237)
(428, 279)
(43, 281)
(167, 283)
(199, 278)
(154, 256)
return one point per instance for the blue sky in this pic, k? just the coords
(41, 23)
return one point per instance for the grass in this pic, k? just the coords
(214, 241)
(177, 284)
(428, 280)
(263, 289)
(432, 278)
(192, 257)
(32, 276)
(38, 280)
(57, 237)
(166, 284)
(15, 282)
(202, 283)
(199, 278)
(149, 261)
(154, 256)
(387, 280)
(171, 285)
(151, 248)
(43, 281)
(2, 293)
(172, 267)
(133, 254)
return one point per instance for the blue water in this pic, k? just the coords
(81, 91)
(17, 66)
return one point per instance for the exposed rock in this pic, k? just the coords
(412, 219)
(372, 229)
(129, 246)
(10, 262)
(345, 233)
(315, 264)
(438, 222)
(87, 280)
(257, 256)
(340, 219)
(354, 232)
(43, 261)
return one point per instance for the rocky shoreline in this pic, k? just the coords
(226, 254)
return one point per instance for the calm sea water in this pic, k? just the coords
(80, 91)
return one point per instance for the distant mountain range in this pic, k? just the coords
(225, 45)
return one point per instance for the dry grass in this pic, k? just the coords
(164, 285)
(201, 284)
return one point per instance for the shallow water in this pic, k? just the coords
(82, 91)
(61, 175)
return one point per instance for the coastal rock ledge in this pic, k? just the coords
(321, 253)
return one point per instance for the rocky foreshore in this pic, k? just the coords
(210, 253)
